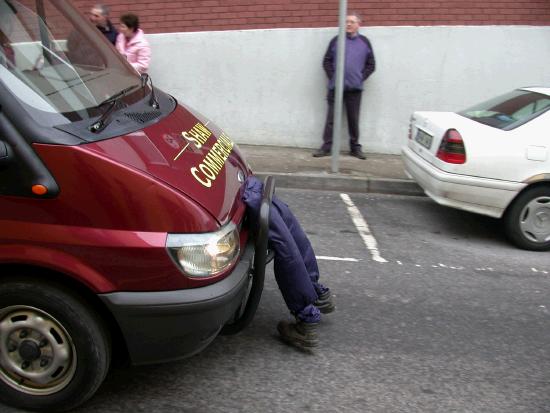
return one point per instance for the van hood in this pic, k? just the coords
(190, 154)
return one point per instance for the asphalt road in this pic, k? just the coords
(436, 312)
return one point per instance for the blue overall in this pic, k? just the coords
(295, 265)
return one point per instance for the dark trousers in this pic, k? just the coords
(295, 265)
(352, 102)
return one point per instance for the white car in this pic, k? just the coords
(491, 159)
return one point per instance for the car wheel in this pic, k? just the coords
(54, 351)
(527, 221)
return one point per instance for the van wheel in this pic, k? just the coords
(54, 350)
(527, 222)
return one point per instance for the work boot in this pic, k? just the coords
(324, 303)
(301, 335)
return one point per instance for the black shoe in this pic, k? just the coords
(301, 335)
(358, 153)
(320, 153)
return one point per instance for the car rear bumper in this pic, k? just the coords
(169, 325)
(480, 195)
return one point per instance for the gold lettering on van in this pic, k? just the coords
(212, 164)
(197, 135)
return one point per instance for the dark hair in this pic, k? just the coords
(130, 20)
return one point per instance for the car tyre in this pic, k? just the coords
(54, 349)
(527, 221)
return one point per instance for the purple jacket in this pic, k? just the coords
(359, 62)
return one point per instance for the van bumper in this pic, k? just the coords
(170, 325)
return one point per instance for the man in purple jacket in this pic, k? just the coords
(359, 65)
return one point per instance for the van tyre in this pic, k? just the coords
(54, 350)
(527, 221)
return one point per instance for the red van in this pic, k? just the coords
(122, 230)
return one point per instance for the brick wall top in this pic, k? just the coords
(208, 15)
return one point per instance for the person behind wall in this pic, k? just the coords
(132, 44)
(295, 267)
(99, 15)
(359, 65)
(80, 50)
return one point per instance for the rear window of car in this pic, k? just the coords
(509, 111)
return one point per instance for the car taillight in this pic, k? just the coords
(452, 148)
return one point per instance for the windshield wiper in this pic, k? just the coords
(145, 79)
(102, 123)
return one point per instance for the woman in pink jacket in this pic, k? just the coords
(131, 43)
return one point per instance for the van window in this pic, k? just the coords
(56, 63)
(509, 111)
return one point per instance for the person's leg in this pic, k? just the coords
(301, 239)
(329, 123)
(296, 288)
(324, 300)
(352, 101)
(290, 271)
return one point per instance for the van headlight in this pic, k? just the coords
(204, 255)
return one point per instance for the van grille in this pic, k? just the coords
(143, 117)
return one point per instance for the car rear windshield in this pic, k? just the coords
(509, 111)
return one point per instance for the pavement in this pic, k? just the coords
(297, 168)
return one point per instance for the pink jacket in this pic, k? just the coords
(136, 50)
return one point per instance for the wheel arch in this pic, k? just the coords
(20, 272)
(534, 182)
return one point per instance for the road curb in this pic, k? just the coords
(328, 182)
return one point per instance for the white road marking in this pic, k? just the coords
(362, 228)
(323, 257)
(441, 265)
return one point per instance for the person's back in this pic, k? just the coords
(132, 44)
(99, 15)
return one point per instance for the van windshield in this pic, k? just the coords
(509, 111)
(57, 63)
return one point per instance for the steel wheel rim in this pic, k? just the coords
(37, 355)
(534, 220)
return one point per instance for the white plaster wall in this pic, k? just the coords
(267, 86)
